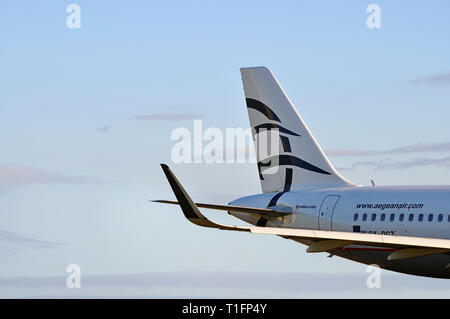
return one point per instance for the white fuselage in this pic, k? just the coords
(419, 211)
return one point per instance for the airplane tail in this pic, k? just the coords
(296, 159)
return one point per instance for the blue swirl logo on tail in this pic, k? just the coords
(283, 159)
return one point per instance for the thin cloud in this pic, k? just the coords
(413, 148)
(16, 239)
(388, 164)
(440, 162)
(375, 164)
(103, 128)
(168, 116)
(443, 78)
(269, 281)
(13, 175)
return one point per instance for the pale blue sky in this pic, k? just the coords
(84, 189)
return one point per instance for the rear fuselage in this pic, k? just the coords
(419, 211)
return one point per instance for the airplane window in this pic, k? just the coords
(374, 217)
(383, 217)
(430, 217)
(420, 217)
(402, 216)
(392, 217)
(448, 218)
(440, 217)
(364, 217)
(355, 217)
(411, 217)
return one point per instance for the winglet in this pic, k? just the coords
(190, 210)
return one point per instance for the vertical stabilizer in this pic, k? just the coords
(300, 161)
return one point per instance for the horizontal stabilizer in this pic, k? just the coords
(237, 209)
